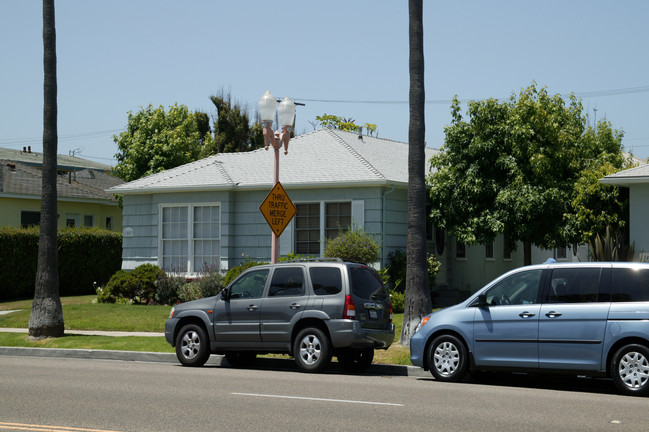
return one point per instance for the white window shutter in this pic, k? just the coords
(358, 213)
(286, 239)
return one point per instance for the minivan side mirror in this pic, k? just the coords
(225, 294)
(482, 301)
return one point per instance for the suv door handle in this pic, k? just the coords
(552, 314)
(295, 306)
(526, 314)
(252, 308)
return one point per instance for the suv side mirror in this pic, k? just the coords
(225, 294)
(482, 301)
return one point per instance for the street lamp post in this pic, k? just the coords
(286, 115)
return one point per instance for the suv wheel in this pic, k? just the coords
(355, 360)
(447, 358)
(240, 358)
(630, 370)
(192, 346)
(312, 350)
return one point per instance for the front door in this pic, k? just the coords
(506, 330)
(236, 320)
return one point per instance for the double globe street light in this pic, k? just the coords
(286, 116)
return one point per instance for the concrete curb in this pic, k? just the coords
(214, 360)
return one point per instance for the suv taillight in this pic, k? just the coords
(350, 310)
(390, 306)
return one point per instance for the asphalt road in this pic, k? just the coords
(66, 394)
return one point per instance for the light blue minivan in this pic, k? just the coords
(577, 318)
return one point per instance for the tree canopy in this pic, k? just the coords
(527, 168)
(156, 140)
(341, 123)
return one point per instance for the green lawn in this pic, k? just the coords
(80, 313)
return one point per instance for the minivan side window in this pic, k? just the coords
(519, 288)
(630, 285)
(574, 285)
(326, 280)
(287, 282)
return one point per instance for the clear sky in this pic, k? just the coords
(342, 57)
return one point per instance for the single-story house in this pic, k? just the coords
(637, 180)
(81, 184)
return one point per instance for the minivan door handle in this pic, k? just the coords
(295, 306)
(526, 314)
(552, 314)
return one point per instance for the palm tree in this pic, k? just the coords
(46, 319)
(417, 301)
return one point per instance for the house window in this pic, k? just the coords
(489, 250)
(507, 251)
(561, 253)
(88, 220)
(190, 238)
(109, 222)
(30, 218)
(72, 219)
(309, 229)
(460, 249)
(338, 218)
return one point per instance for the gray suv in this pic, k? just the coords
(312, 310)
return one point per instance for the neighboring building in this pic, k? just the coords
(81, 184)
(637, 180)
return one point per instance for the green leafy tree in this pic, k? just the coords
(46, 318)
(417, 302)
(514, 167)
(156, 140)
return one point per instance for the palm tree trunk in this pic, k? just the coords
(46, 319)
(417, 301)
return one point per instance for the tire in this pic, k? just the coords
(448, 359)
(355, 360)
(630, 370)
(192, 346)
(312, 350)
(240, 358)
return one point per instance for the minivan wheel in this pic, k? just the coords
(355, 360)
(192, 346)
(630, 370)
(312, 350)
(447, 359)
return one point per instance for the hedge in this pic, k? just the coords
(85, 255)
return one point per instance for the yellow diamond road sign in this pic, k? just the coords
(278, 209)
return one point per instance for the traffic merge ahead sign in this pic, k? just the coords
(278, 209)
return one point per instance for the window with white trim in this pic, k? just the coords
(319, 220)
(190, 237)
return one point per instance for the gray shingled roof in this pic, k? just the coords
(324, 158)
(639, 174)
(63, 162)
(21, 180)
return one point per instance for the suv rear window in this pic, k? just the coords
(366, 283)
(326, 280)
(630, 285)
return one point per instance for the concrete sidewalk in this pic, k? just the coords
(214, 360)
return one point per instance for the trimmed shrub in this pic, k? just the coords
(167, 287)
(353, 245)
(142, 283)
(210, 281)
(190, 291)
(116, 288)
(398, 300)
